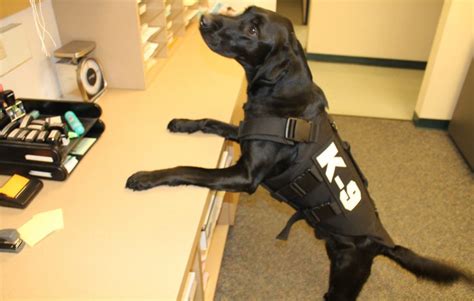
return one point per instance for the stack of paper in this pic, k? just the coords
(141, 8)
(148, 31)
(168, 10)
(83, 146)
(189, 2)
(70, 163)
(190, 14)
(170, 38)
(205, 279)
(41, 225)
(149, 49)
(190, 287)
(150, 63)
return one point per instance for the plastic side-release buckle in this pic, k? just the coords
(306, 182)
(298, 130)
(319, 213)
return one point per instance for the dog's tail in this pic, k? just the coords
(426, 268)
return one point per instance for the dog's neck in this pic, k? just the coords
(293, 95)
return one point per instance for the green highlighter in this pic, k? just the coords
(74, 123)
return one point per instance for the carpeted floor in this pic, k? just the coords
(369, 91)
(424, 192)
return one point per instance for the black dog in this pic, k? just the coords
(290, 145)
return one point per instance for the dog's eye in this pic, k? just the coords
(253, 30)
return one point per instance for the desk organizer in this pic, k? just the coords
(45, 160)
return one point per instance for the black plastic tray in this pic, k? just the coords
(36, 159)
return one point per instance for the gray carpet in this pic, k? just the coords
(424, 192)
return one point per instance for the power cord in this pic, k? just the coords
(40, 25)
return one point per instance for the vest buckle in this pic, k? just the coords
(298, 130)
(320, 213)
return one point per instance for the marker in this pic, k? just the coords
(74, 123)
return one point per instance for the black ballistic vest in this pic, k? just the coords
(324, 185)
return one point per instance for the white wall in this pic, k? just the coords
(35, 78)
(453, 50)
(393, 29)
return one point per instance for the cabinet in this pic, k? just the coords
(133, 37)
(208, 253)
(206, 263)
(461, 127)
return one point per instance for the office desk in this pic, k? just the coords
(119, 244)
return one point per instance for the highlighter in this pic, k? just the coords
(74, 123)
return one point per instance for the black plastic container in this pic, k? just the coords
(45, 160)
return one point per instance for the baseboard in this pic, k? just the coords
(430, 123)
(392, 63)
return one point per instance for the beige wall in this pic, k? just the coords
(394, 29)
(36, 78)
(240, 5)
(453, 50)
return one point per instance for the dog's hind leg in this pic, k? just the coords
(350, 269)
(209, 126)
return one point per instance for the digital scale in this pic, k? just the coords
(80, 76)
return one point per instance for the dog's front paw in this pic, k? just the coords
(141, 180)
(182, 126)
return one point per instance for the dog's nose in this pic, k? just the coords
(205, 21)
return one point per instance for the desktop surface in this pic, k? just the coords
(116, 242)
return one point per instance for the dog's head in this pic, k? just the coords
(255, 38)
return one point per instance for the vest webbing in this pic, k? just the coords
(317, 184)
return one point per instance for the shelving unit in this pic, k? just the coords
(133, 37)
(206, 273)
(207, 259)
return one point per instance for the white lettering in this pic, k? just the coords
(351, 196)
(339, 183)
(328, 157)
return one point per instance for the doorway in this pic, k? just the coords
(297, 12)
(340, 33)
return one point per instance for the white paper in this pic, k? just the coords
(83, 146)
(41, 225)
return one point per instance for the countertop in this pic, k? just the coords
(116, 242)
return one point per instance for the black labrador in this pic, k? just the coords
(280, 85)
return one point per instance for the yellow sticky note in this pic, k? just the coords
(14, 186)
(41, 225)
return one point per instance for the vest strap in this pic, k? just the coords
(281, 130)
(300, 186)
(298, 215)
(312, 215)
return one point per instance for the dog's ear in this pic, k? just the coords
(275, 65)
(277, 62)
(295, 44)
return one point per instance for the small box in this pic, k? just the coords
(18, 191)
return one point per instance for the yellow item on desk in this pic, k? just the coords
(14, 186)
